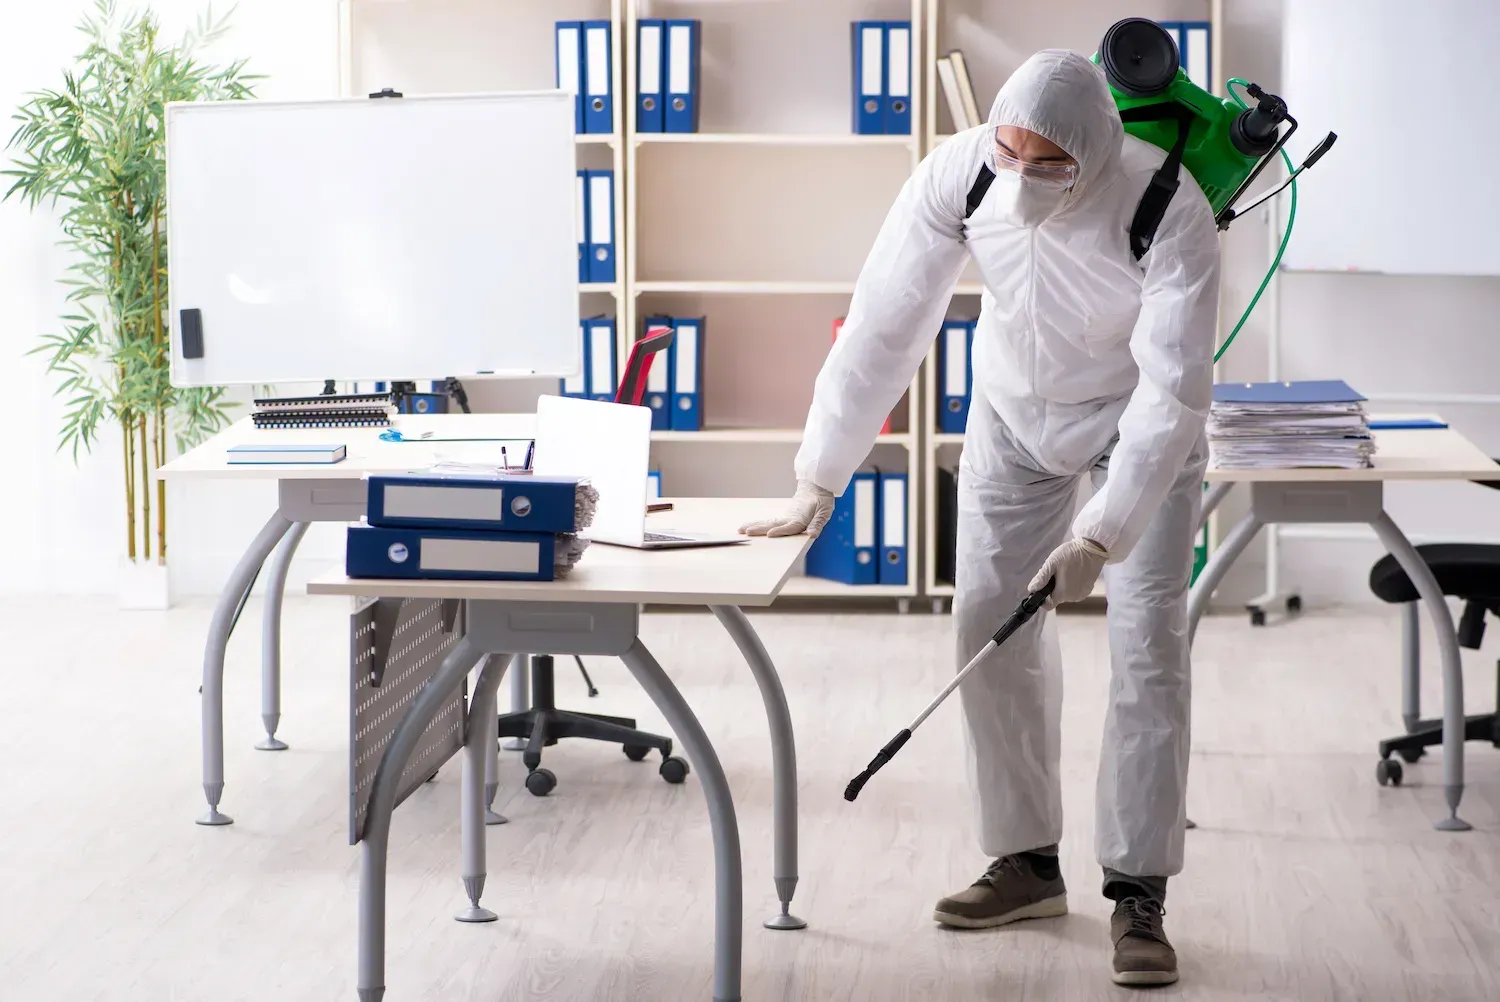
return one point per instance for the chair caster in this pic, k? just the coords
(1411, 755)
(1257, 616)
(1388, 772)
(674, 770)
(636, 753)
(1294, 603)
(540, 782)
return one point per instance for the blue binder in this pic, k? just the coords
(582, 196)
(896, 107)
(868, 40)
(845, 550)
(681, 113)
(687, 374)
(650, 47)
(603, 366)
(492, 502)
(601, 231)
(1309, 391)
(954, 373)
(1194, 49)
(598, 80)
(372, 551)
(659, 380)
(577, 385)
(653, 484)
(893, 546)
(568, 52)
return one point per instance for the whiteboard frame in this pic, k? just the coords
(425, 363)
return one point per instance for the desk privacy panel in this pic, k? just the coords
(420, 640)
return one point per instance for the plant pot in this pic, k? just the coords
(144, 584)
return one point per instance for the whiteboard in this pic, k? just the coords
(1409, 88)
(398, 238)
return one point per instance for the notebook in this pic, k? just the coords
(284, 453)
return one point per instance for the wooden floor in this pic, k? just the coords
(1305, 882)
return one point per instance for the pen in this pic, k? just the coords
(662, 506)
(530, 449)
(503, 458)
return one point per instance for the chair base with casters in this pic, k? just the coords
(1469, 572)
(544, 724)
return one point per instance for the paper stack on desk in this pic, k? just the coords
(1268, 426)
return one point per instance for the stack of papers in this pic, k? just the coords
(1269, 426)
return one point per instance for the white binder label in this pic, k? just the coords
(1196, 57)
(864, 513)
(413, 501)
(567, 60)
(955, 361)
(900, 62)
(687, 358)
(601, 358)
(680, 58)
(582, 216)
(598, 50)
(574, 383)
(893, 512)
(509, 556)
(869, 57)
(601, 209)
(650, 59)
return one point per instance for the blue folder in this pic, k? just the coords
(577, 385)
(568, 54)
(492, 502)
(868, 39)
(682, 73)
(372, 551)
(955, 375)
(893, 529)
(598, 79)
(846, 548)
(651, 64)
(1308, 391)
(581, 196)
(659, 381)
(896, 106)
(601, 226)
(685, 360)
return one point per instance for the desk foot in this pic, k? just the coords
(271, 720)
(371, 994)
(493, 818)
(1191, 824)
(786, 921)
(1453, 823)
(474, 888)
(213, 792)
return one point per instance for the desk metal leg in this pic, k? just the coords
(520, 699)
(1218, 565)
(728, 880)
(270, 637)
(1411, 665)
(1211, 499)
(518, 667)
(783, 759)
(377, 834)
(1416, 569)
(213, 663)
(479, 753)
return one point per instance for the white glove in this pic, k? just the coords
(1076, 565)
(809, 511)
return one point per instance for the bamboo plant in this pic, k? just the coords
(94, 152)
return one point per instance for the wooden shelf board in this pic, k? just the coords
(751, 288)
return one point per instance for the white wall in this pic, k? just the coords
(65, 521)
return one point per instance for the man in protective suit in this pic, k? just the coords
(1086, 362)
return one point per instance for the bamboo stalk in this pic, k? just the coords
(145, 490)
(129, 440)
(160, 435)
(159, 440)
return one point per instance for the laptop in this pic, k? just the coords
(611, 445)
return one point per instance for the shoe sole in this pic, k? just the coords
(1048, 908)
(1144, 979)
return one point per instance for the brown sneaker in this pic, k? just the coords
(1142, 954)
(1010, 890)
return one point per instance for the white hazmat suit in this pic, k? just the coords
(1086, 361)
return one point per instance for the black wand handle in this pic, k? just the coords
(881, 758)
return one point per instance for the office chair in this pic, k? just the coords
(544, 724)
(1469, 572)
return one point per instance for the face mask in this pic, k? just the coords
(1024, 201)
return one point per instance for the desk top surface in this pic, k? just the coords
(1400, 454)
(366, 453)
(747, 574)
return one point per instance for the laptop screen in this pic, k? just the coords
(608, 443)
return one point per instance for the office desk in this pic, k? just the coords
(306, 494)
(1327, 495)
(594, 610)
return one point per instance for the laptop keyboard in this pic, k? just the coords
(661, 537)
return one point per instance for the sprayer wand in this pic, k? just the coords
(1029, 607)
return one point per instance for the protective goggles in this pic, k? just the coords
(1051, 174)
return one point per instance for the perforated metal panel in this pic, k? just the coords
(417, 647)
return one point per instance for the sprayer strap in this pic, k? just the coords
(976, 193)
(1158, 194)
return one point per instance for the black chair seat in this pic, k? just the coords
(1470, 571)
